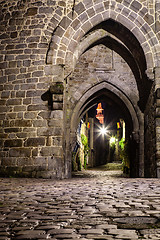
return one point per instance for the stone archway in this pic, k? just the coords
(73, 37)
(133, 116)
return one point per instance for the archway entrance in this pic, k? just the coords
(104, 134)
(111, 70)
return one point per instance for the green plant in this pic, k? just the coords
(124, 156)
(84, 141)
(122, 143)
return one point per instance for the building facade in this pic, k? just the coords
(57, 59)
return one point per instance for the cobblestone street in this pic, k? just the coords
(96, 205)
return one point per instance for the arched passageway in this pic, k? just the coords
(112, 71)
(108, 53)
(121, 124)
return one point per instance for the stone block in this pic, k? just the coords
(99, 7)
(3, 79)
(26, 63)
(4, 36)
(158, 172)
(126, 2)
(143, 11)
(45, 10)
(36, 107)
(11, 71)
(21, 135)
(20, 152)
(23, 123)
(37, 74)
(20, 94)
(57, 106)
(83, 17)
(11, 115)
(57, 114)
(90, 12)
(65, 22)
(2, 102)
(14, 34)
(32, 39)
(72, 45)
(21, 46)
(32, 45)
(79, 8)
(136, 6)
(3, 109)
(149, 19)
(41, 161)
(88, 3)
(157, 112)
(34, 142)
(13, 143)
(12, 64)
(14, 102)
(26, 101)
(28, 86)
(24, 33)
(158, 93)
(44, 114)
(2, 116)
(78, 35)
(59, 32)
(54, 131)
(51, 151)
(55, 123)
(19, 108)
(21, 56)
(3, 65)
(31, 11)
(76, 24)
(96, 19)
(30, 115)
(57, 88)
(34, 93)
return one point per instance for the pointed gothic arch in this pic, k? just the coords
(133, 116)
(70, 36)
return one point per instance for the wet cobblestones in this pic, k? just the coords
(95, 206)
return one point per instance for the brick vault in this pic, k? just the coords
(57, 58)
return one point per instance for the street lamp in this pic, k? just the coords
(103, 130)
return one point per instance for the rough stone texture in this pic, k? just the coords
(37, 39)
(96, 206)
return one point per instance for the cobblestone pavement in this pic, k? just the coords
(97, 205)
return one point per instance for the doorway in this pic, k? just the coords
(104, 135)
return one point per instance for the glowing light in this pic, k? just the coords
(112, 140)
(103, 130)
(99, 115)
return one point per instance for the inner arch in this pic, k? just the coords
(116, 106)
(129, 48)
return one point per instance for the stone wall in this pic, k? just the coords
(150, 137)
(31, 132)
(97, 65)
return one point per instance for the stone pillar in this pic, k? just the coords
(157, 86)
(55, 124)
(157, 119)
(91, 120)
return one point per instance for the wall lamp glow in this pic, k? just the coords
(103, 130)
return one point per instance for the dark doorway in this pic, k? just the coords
(113, 146)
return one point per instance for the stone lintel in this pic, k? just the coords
(54, 70)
